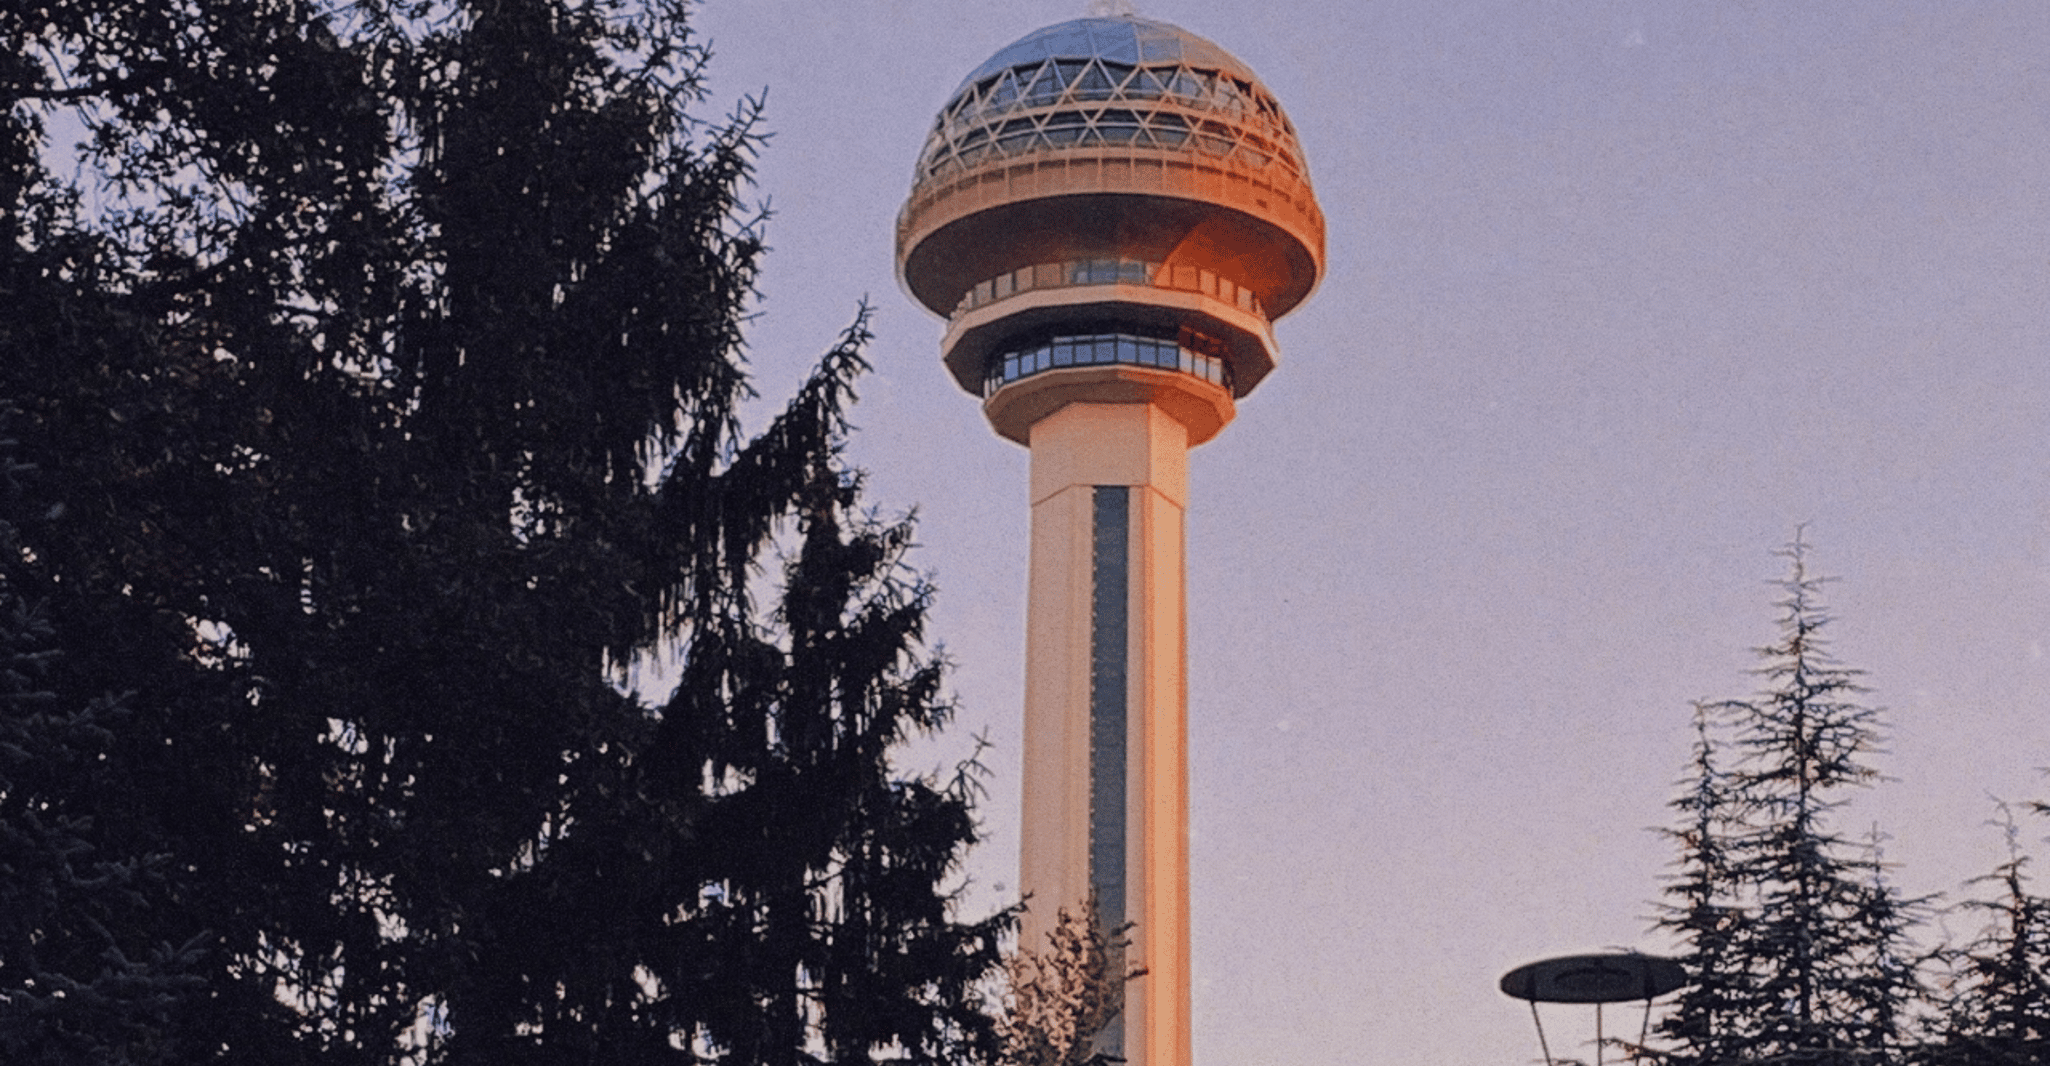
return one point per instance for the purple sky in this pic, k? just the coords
(1620, 291)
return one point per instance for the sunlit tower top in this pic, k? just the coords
(1110, 213)
(1121, 174)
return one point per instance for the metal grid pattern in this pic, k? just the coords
(1123, 82)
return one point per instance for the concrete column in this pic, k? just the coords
(1139, 453)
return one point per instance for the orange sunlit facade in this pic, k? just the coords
(1110, 212)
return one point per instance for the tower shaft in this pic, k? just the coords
(1106, 793)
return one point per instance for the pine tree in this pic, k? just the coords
(1799, 945)
(1704, 911)
(76, 984)
(1998, 1011)
(383, 383)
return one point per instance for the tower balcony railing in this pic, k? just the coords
(1272, 193)
(1074, 273)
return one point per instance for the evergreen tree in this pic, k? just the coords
(76, 983)
(1703, 911)
(1998, 1012)
(382, 379)
(1797, 942)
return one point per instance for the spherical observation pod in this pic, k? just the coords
(1110, 177)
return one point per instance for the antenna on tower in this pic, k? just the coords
(1103, 9)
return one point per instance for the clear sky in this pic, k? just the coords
(1620, 291)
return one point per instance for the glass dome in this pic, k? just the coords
(1122, 82)
(1120, 39)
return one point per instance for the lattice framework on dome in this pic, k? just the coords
(1070, 102)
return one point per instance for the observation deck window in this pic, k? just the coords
(1196, 354)
(1100, 80)
(1066, 127)
(1079, 272)
(1119, 126)
(1171, 130)
(1046, 88)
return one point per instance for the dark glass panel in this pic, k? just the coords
(1065, 135)
(1118, 126)
(1006, 90)
(1109, 654)
(1094, 84)
(1168, 120)
(1044, 87)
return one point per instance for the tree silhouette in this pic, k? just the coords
(1703, 910)
(76, 982)
(1798, 945)
(381, 371)
(1998, 1010)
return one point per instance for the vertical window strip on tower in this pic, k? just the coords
(1109, 650)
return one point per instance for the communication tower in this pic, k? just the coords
(1110, 213)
